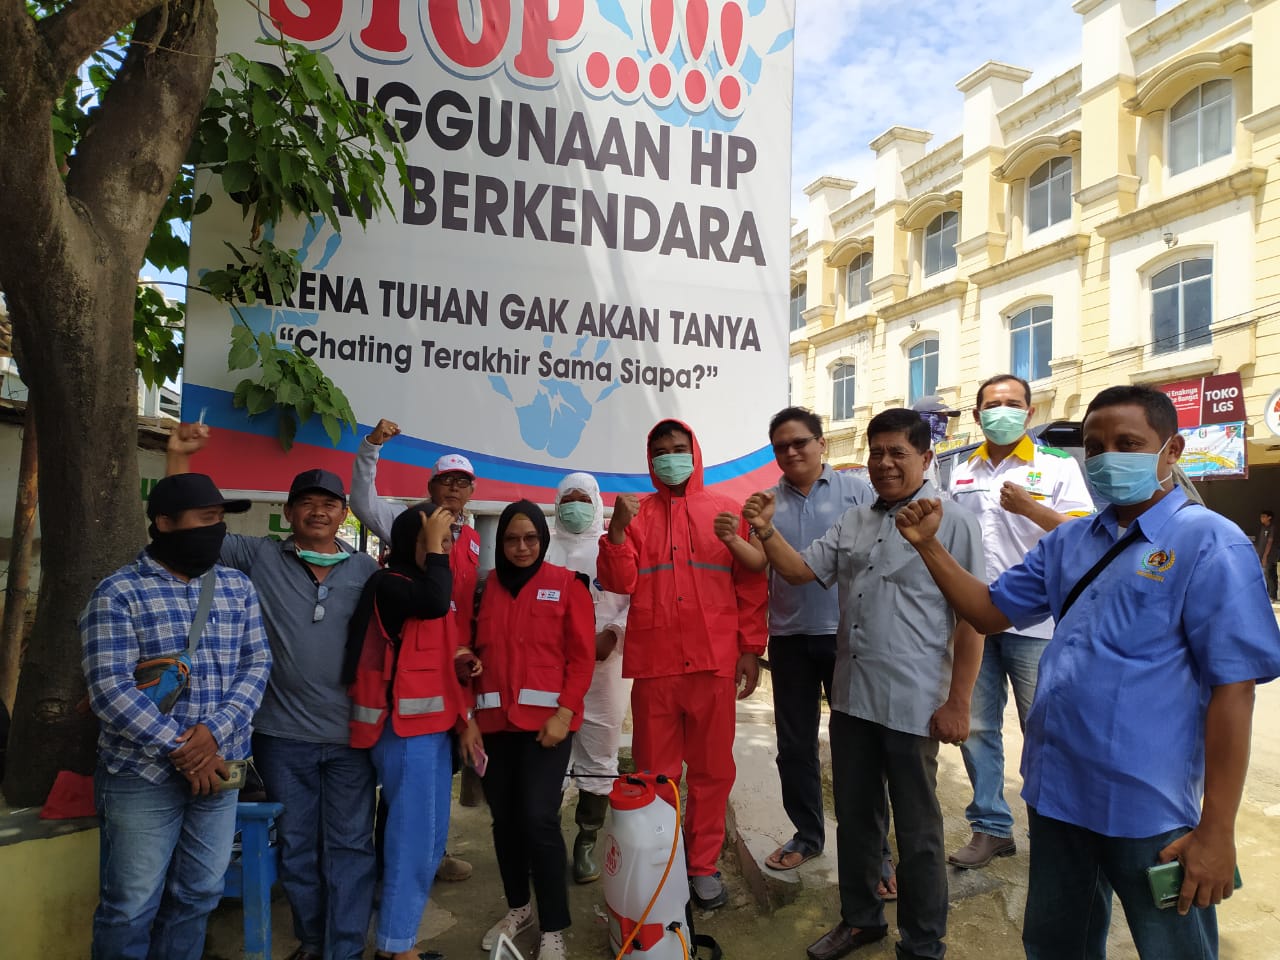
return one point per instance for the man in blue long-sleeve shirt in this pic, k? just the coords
(167, 827)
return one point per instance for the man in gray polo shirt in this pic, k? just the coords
(308, 586)
(904, 673)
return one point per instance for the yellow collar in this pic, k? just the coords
(1024, 451)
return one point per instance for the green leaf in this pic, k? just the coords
(241, 357)
(287, 428)
(332, 427)
(237, 177)
(259, 400)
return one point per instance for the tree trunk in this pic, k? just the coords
(18, 583)
(70, 253)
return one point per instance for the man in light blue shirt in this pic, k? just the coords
(1145, 695)
(810, 498)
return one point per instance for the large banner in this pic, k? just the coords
(597, 239)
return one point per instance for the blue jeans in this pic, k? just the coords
(1018, 658)
(163, 855)
(327, 865)
(416, 774)
(1073, 874)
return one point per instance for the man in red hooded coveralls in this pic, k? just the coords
(696, 626)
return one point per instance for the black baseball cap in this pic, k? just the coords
(317, 481)
(189, 491)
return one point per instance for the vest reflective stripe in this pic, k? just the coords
(488, 701)
(540, 698)
(365, 714)
(720, 567)
(662, 566)
(417, 706)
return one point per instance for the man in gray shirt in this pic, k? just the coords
(809, 498)
(904, 673)
(309, 586)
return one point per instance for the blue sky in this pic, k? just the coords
(863, 66)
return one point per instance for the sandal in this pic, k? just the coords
(887, 888)
(789, 856)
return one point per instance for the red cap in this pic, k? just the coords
(633, 791)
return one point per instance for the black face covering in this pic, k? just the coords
(190, 552)
(508, 574)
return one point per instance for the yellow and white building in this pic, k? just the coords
(1118, 224)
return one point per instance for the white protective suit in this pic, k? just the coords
(595, 746)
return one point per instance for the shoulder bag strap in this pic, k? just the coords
(202, 611)
(1117, 548)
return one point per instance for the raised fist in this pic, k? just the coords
(383, 432)
(188, 438)
(919, 520)
(726, 527)
(758, 510)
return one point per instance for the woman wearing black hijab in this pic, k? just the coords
(406, 701)
(536, 637)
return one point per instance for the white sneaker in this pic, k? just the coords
(551, 946)
(514, 923)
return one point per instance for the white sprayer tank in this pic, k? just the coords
(636, 850)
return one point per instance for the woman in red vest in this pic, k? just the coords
(406, 698)
(536, 637)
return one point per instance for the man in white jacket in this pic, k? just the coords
(579, 522)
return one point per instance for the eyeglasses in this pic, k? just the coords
(529, 540)
(457, 482)
(793, 445)
(322, 594)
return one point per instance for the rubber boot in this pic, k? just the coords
(590, 819)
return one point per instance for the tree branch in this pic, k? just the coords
(127, 161)
(80, 28)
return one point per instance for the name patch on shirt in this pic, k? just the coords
(961, 483)
(545, 594)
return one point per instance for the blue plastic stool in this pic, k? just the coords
(252, 872)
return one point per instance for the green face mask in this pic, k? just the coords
(673, 469)
(1003, 425)
(575, 516)
(323, 559)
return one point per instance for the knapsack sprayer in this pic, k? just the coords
(642, 844)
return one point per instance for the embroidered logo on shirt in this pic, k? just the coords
(475, 547)
(1156, 563)
(548, 594)
(1033, 477)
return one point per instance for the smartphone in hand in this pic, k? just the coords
(1165, 880)
(481, 763)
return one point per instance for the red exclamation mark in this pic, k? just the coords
(659, 25)
(730, 49)
(695, 84)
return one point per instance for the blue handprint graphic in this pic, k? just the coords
(555, 418)
(265, 318)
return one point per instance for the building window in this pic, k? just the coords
(940, 242)
(1182, 306)
(1200, 126)
(1049, 194)
(857, 281)
(842, 378)
(1031, 342)
(922, 365)
(798, 294)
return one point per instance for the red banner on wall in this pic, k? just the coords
(1216, 399)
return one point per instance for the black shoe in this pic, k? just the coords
(842, 939)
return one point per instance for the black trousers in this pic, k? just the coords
(801, 667)
(523, 787)
(1269, 568)
(864, 756)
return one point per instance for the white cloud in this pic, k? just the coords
(863, 66)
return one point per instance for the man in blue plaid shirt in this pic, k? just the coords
(167, 827)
